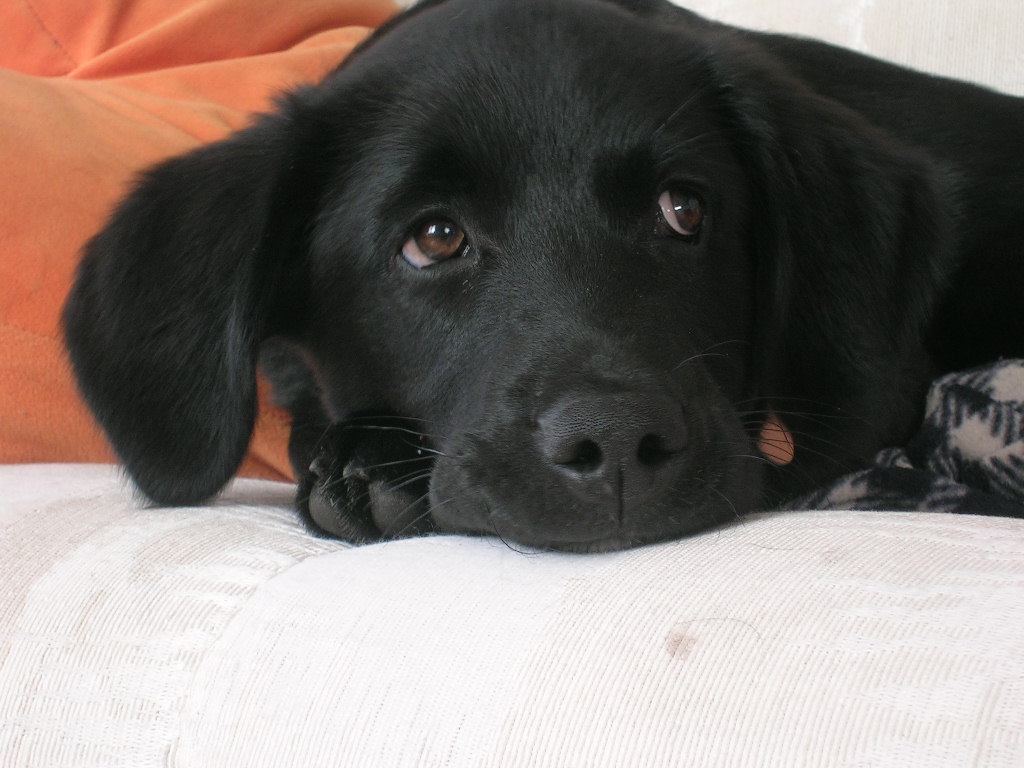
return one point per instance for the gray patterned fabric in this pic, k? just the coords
(967, 458)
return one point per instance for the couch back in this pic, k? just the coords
(977, 40)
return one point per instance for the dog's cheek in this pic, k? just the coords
(477, 487)
(456, 504)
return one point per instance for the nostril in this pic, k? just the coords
(584, 456)
(653, 451)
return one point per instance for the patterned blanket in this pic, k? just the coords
(968, 456)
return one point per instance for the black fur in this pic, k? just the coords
(581, 377)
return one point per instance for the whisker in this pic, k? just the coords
(510, 545)
(426, 449)
(397, 462)
(804, 437)
(830, 412)
(708, 353)
(735, 512)
(751, 456)
(409, 479)
(753, 421)
(842, 465)
(787, 399)
(385, 428)
(816, 414)
(370, 417)
(399, 482)
(793, 468)
(699, 356)
(332, 483)
(682, 107)
(430, 510)
(411, 523)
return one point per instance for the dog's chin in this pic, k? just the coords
(608, 544)
(524, 537)
(520, 526)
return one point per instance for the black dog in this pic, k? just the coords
(580, 273)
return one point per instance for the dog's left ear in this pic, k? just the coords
(173, 298)
(852, 235)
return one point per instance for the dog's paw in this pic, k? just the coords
(368, 481)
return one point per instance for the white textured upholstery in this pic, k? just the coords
(227, 636)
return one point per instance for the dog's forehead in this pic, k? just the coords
(537, 105)
(529, 67)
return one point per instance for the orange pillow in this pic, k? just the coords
(91, 92)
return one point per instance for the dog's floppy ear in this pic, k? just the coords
(172, 299)
(852, 235)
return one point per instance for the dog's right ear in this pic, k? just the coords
(173, 297)
(853, 247)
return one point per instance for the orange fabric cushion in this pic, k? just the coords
(91, 92)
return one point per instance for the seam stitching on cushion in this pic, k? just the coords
(50, 34)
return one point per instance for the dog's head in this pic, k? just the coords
(594, 246)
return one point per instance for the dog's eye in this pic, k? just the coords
(682, 211)
(434, 241)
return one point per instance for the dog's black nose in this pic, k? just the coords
(617, 450)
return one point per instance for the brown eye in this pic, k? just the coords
(682, 211)
(434, 241)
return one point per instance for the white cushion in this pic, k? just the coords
(228, 636)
